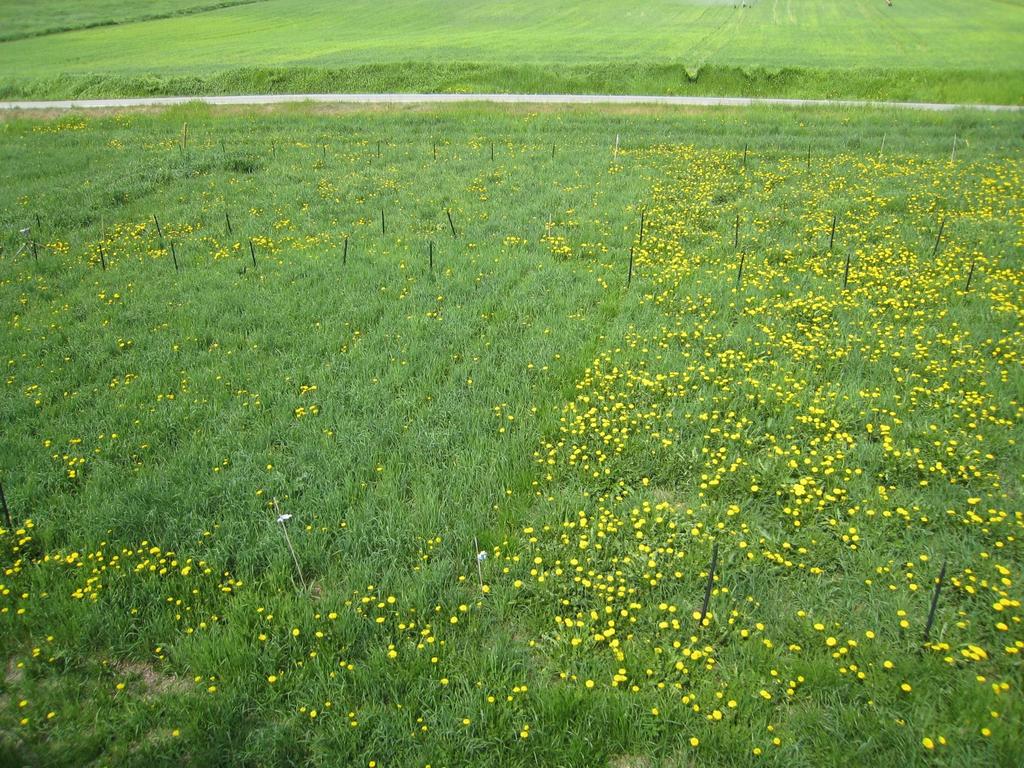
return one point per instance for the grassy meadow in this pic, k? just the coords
(938, 50)
(518, 378)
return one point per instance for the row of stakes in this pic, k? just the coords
(183, 146)
(481, 555)
(31, 244)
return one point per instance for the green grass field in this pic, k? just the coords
(917, 49)
(215, 327)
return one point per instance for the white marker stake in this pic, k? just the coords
(282, 519)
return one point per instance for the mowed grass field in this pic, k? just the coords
(915, 50)
(592, 455)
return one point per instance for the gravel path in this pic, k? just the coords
(497, 98)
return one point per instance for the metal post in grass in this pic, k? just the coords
(431, 248)
(435, 150)
(7, 511)
(935, 602)
(739, 271)
(746, 146)
(174, 256)
(281, 520)
(492, 151)
(642, 214)
(227, 221)
(451, 223)
(846, 271)
(378, 149)
(938, 237)
(382, 230)
(159, 232)
(808, 157)
(952, 155)
(629, 275)
(252, 252)
(736, 233)
(710, 584)
(970, 274)
(832, 234)
(552, 150)
(103, 258)
(344, 254)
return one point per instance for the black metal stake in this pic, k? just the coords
(103, 258)
(739, 272)
(970, 274)
(382, 222)
(710, 584)
(252, 252)
(344, 255)
(378, 150)
(832, 234)
(552, 150)
(846, 271)
(159, 231)
(451, 223)
(642, 213)
(431, 257)
(7, 512)
(736, 235)
(174, 255)
(938, 238)
(35, 253)
(435, 150)
(745, 156)
(629, 276)
(935, 602)
(227, 220)
(492, 151)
